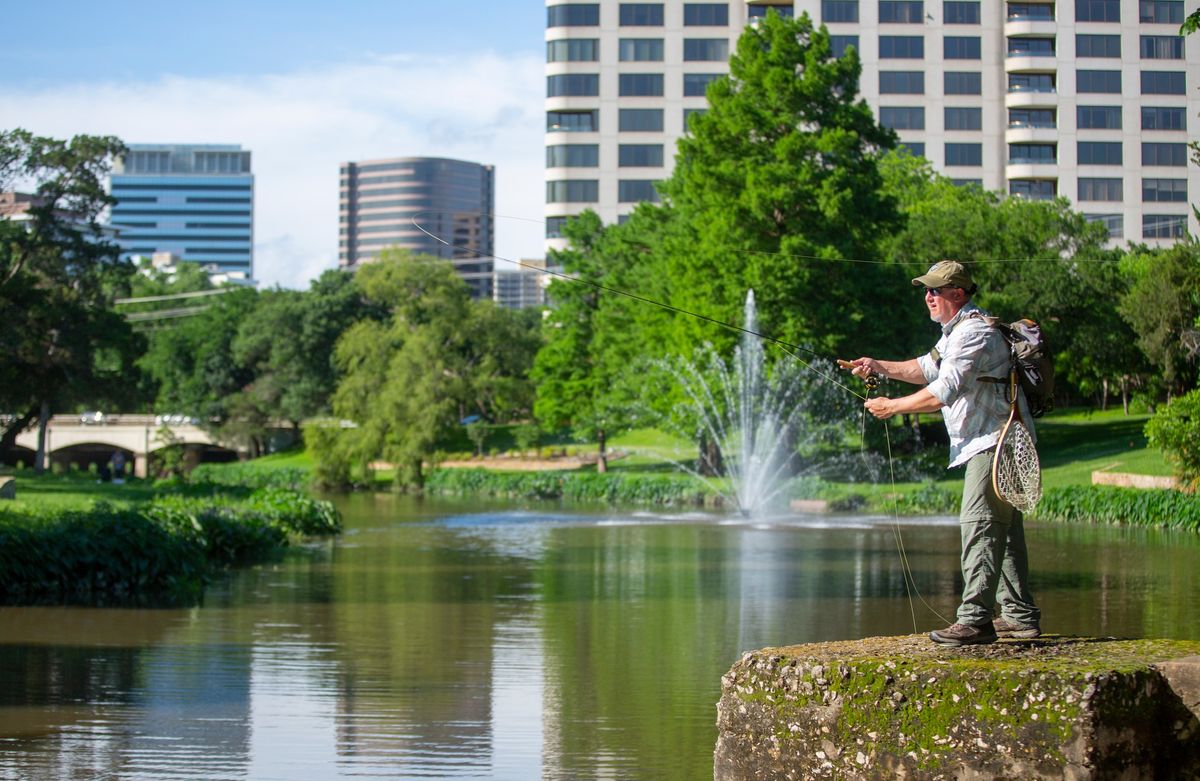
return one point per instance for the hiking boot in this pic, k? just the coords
(1005, 628)
(964, 634)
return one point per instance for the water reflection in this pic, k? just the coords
(456, 640)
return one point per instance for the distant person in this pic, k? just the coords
(959, 379)
(118, 467)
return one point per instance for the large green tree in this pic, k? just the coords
(61, 344)
(779, 190)
(1163, 306)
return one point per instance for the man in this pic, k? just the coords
(965, 376)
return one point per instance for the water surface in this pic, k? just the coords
(465, 640)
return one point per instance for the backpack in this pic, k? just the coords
(1032, 361)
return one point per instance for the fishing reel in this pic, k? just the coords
(872, 383)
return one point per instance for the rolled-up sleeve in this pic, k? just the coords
(928, 367)
(963, 348)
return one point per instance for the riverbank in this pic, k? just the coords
(69, 539)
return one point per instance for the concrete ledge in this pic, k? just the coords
(810, 505)
(1128, 480)
(901, 707)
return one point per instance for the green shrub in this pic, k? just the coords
(1110, 504)
(247, 474)
(658, 489)
(929, 499)
(1175, 429)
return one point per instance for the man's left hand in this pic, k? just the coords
(881, 407)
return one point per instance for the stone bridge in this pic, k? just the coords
(96, 438)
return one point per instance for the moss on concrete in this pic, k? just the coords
(886, 705)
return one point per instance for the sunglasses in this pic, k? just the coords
(936, 291)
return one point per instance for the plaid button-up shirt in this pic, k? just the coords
(974, 409)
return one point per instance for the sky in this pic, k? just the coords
(304, 86)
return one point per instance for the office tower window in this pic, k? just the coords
(688, 113)
(640, 120)
(573, 85)
(573, 156)
(1030, 12)
(636, 190)
(963, 118)
(915, 148)
(902, 82)
(1113, 223)
(1097, 45)
(901, 47)
(1163, 83)
(695, 84)
(1033, 189)
(640, 155)
(1164, 226)
(1103, 82)
(640, 50)
(640, 85)
(1160, 11)
(1099, 153)
(641, 15)
(964, 154)
(1164, 118)
(1098, 117)
(960, 13)
(1092, 189)
(1032, 117)
(839, 11)
(759, 11)
(1164, 190)
(705, 49)
(1097, 10)
(555, 225)
(1174, 155)
(838, 44)
(573, 50)
(962, 83)
(1161, 47)
(961, 47)
(1031, 82)
(1029, 154)
(967, 182)
(573, 191)
(575, 121)
(902, 117)
(901, 12)
(1030, 47)
(573, 15)
(705, 14)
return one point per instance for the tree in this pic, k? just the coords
(61, 343)
(1163, 306)
(779, 189)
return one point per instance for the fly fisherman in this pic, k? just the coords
(959, 377)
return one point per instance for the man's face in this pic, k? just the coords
(943, 303)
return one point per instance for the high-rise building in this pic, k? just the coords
(195, 201)
(427, 205)
(1090, 100)
(521, 286)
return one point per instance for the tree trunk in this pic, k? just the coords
(1125, 394)
(39, 459)
(711, 464)
(602, 458)
(1104, 395)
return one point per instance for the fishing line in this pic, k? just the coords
(791, 349)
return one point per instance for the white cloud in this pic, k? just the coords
(300, 126)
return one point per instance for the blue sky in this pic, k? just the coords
(303, 85)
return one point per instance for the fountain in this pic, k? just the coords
(753, 416)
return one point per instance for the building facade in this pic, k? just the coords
(427, 205)
(523, 286)
(194, 201)
(1087, 99)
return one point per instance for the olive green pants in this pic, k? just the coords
(995, 563)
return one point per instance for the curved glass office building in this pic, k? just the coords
(382, 203)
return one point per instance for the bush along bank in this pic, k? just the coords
(628, 488)
(1109, 504)
(160, 553)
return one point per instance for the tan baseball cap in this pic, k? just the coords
(946, 273)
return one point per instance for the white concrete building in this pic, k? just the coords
(1088, 99)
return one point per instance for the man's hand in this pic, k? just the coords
(861, 367)
(881, 407)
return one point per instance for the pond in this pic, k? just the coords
(469, 640)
